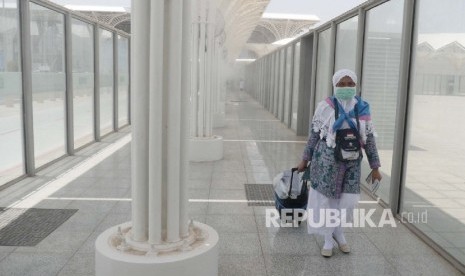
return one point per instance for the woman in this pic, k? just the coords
(335, 181)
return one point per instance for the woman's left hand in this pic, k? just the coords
(376, 175)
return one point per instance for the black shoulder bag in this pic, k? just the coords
(348, 146)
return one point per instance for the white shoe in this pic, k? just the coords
(327, 252)
(345, 248)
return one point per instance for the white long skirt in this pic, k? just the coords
(318, 207)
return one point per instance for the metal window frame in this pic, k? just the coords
(26, 65)
(97, 136)
(69, 95)
(116, 126)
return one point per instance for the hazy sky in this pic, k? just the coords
(324, 9)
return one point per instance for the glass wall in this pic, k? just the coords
(381, 63)
(295, 87)
(48, 83)
(83, 82)
(123, 81)
(436, 153)
(346, 44)
(323, 88)
(106, 81)
(11, 134)
(288, 85)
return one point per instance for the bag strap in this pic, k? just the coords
(336, 114)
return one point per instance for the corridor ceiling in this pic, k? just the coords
(238, 22)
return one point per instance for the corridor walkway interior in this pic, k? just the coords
(257, 146)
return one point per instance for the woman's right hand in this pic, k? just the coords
(302, 166)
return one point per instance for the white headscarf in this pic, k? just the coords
(323, 118)
(343, 73)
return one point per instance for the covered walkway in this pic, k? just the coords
(95, 189)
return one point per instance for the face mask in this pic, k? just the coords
(344, 93)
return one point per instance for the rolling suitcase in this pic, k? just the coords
(292, 202)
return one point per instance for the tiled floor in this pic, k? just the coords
(256, 148)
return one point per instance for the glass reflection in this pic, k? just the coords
(436, 152)
(381, 62)
(83, 82)
(123, 81)
(106, 82)
(346, 44)
(323, 89)
(11, 133)
(48, 83)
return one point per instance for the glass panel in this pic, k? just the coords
(83, 82)
(123, 81)
(11, 130)
(381, 63)
(288, 84)
(435, 184)
(106, 81)
(282, 58)
(346, 44)
(295, 87)
(48, 83)
(323, 77)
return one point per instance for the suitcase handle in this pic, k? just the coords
(290, 185)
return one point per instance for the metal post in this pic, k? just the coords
(129, 81)
(332, 55)
(115, 82)
(26, 62)
(97, 83)
(399, 157)
(360, 41)
(313, 71)
(69, 85)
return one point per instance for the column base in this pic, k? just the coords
(114, 258)
(206, 149)
(219, 120)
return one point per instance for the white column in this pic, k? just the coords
(156, 114)
(185, 126)
(210, 39)
(204, 145)
(159, 240)
(218, 112)
(201, 94)
(195, 68)
(140, 82)
(173, 115)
